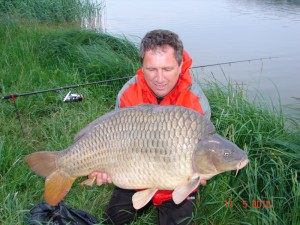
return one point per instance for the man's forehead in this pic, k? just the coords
(160, 48)
(160, 51)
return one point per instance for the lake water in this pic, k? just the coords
(223, 31)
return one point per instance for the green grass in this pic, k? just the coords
(271, 178)
(36, 56)
(51, 12)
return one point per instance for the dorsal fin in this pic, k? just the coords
(93, 124)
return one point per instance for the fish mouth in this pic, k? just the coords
(241, 165)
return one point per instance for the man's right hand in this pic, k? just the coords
(101, 178)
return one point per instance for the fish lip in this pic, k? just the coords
(241, 165)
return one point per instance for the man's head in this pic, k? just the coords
(161, 57)
(158, 38)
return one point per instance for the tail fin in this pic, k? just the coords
(57, 186)
(58, 183)
(42, 163)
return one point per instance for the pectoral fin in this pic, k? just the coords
(181, 192)
(141, 198)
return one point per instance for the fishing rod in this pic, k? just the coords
(232, 62)
(69, 96)
(76, 97)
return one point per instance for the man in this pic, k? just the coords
(164, 79)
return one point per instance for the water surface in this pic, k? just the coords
(223, 31)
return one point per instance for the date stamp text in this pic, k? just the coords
(254, 204)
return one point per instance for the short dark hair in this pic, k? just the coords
(159, 38)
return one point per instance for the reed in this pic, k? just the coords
(52, 12)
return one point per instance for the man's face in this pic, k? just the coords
(161, 70)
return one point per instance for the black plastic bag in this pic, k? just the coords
(61, 214)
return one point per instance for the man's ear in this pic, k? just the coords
(180, 66)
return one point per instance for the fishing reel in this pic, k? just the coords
(73, 97)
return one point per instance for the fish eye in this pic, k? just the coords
(226, 154)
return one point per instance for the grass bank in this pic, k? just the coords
(39, 56)
(267, 190)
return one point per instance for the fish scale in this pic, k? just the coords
(151, 149)
(144, 147)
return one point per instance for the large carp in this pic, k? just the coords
(144, 147)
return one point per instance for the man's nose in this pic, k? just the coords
(159, 76)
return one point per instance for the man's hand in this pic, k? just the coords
(101, 178)
(203, 182)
